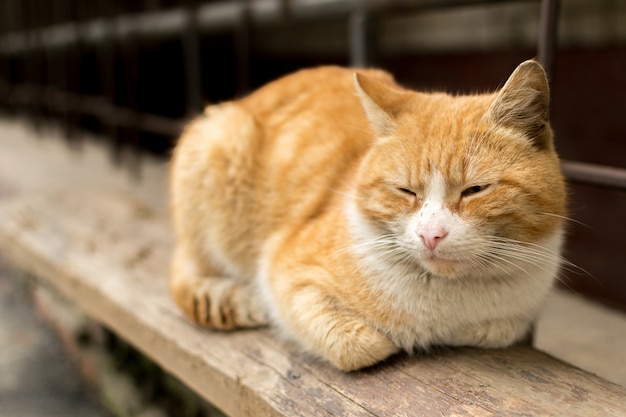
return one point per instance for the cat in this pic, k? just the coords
(361, 218)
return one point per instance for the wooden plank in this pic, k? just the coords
(522, 381)
(109, 253)
(110, 256)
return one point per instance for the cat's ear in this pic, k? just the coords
(380, 101)
(524, 103)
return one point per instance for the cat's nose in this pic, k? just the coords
(432, 236)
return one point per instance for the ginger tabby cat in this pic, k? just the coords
(361, 218)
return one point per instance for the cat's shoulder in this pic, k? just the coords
(313, 84)
(334, 71)
(325, 76)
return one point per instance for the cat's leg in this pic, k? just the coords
(211, 300)
(327, 329)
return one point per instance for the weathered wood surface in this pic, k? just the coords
(109, 254)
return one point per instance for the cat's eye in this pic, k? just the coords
(475, 189)
(406, 191)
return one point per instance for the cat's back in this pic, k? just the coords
(268, 161)
(314, 132)
(319, 90)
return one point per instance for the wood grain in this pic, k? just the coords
(108, 253)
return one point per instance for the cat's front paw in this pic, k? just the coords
(359, 347)
(494, 334)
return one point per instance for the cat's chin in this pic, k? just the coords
(448, 268)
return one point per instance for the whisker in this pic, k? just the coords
(502, 259)
(381, 249)
(534, 253)
(486, 263)
(569, 219)
(563, 281)
(532, 260)
(543, 251)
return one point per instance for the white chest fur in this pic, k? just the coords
(441, 307)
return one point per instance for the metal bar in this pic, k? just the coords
(21, 65)
(361, 39)
(219, 16)
(192, 59)
(45, 56)
(131, 82)
(610, 177)
(548, 34)
(32, 64)
(6, 13)
(243, 41)
(100, 107)
(108, 68)
(71, 74)
(57, 69)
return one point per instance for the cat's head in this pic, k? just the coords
(460, 185)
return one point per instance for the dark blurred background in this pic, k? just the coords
(134, 72)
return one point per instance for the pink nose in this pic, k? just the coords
(432, 236)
